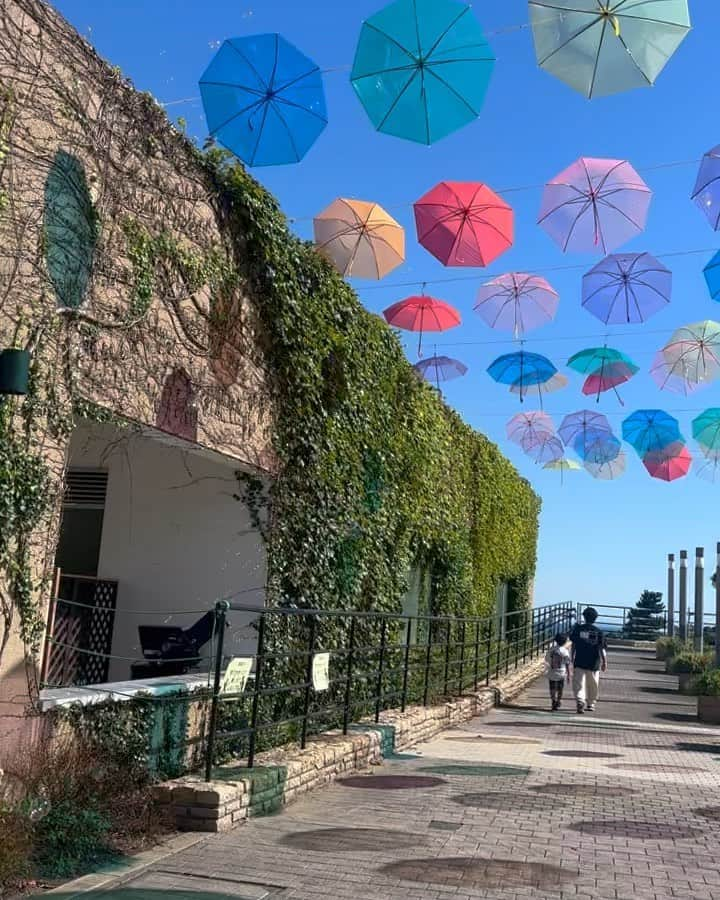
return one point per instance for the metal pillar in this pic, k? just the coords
(682, 624)
(699, 594)
(717, 606)
(671, 595)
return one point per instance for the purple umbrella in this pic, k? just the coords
(626, 288)
(585, 423)
(440, 368)
(595, 205)
(543, 448)
(517, 302)
(706, 192)
(673, 376)
(529, 426)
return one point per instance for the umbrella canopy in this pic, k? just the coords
(601, 47)
(608, 470)
(706, 192)
(516, 302)
(695, 350)
(709, 470)
(264, 100)
(464, 223)
(440, 368)
(611, 377)
(422, 314)
(627, 288)
(650, 430)
(706, 429)
(670, 463)
(563, 465)
(672, 376)
(595, 205)
(543, 448)
(712, 276)
(606, 369)
(422, 68)
(597, 448)
(360, 239)
(582, 423)
(557, 383)
(522, 369)
(528, 426)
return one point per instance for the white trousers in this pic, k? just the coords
(585, 685)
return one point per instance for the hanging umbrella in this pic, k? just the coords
(581, 423)
(522, 369)
(528, 426)
(360, 239)
(464, 223)
(595, 205)
(563, 465)
(422, 68)
(601, 47)
(440, 368)
(422, 314)
(263, 100)
(696, 350)
(626, 288)
(543, 448)
(556, 383)
(516, 302)
(670, 463)
(709, 470)
(606, 369)
(597, 447)
(650, 430)
(706, 429)
(712, 276)
(706, 192)
(672, 376)
(611, 377)
(608, 470)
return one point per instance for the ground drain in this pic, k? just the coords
(652, 767)
(646, 831)
(479, 872)
(482, 771)
(439, 825)
(581, 754)
(391, 782)
(353, 840)
(582, 790)
(503, 800)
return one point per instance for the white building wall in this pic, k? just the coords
(173, 537)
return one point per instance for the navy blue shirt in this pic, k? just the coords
(588, 643)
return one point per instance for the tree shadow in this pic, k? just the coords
(676, 717)
(658, 690)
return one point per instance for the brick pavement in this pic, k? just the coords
(622, 804)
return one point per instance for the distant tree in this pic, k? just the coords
(646, 621)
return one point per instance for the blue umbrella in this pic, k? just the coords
(440, 368)
(263, 100)
(598, 448)
(712, 276)
(422, 68)
(521, 370)
(650, 430)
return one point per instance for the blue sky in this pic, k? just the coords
(600, 541)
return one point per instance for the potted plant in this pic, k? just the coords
(707, 687)
(687, 665)
(667, 647)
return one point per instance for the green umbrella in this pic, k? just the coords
(594, 359)
(706, 429)
(601, 47)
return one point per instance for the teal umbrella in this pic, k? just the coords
(706, 429)
(601, 47)
(422, 68)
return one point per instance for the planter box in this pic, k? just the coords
(686, 681)
(709, 710)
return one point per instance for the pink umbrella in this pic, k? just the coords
(612, 375)
(464, 223)
(422, 314)
(670, 463)
(527, 427)
(595, 205)
(516, 302)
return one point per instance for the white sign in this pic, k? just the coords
(236, 675)
(321, 671)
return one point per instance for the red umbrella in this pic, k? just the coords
(422, 314)
(670, 463)
(464, 223)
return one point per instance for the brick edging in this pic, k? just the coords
(283, 775)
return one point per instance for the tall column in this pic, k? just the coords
(671, 595)
(699, 594)
(682, 629)
(717, 606)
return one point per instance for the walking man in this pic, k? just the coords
(589, 658)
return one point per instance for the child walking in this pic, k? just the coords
(558, 664)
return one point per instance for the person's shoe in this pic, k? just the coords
(591, 707)
(555, 705)
(580, 708)
(558, 704)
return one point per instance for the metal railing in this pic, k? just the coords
(631, 623)
(374, 662)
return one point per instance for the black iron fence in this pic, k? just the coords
(631, 623)
(314, 670)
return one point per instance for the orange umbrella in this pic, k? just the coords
(359, 238)
(422, 314)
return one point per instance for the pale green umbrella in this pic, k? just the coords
(601, 47)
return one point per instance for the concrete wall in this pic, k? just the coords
(173, 535)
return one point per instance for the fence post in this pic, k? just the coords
(462, 659)
(717, 605)
(447, 658)
(683, 596)
(348, 676)
(699, 598)
(406, 666)
(488, 661)
(381, 667)
(221, 608)
(671, 595)
(308, 683)
(477, 654)
(257, 687)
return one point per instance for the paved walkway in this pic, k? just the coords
(620, 804)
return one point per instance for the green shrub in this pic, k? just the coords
(71, 839)
(15, 848)
(672, 645)
(689, 662)
(707, 683)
